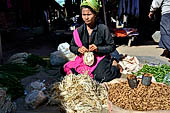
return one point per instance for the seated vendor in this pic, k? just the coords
(92, 42)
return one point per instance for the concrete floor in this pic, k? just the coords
(149, 53)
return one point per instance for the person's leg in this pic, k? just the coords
(105, 72)
(116, 56)
(165, 34)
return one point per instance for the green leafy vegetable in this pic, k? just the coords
(10, 76)
(158, 72)
(34, 60)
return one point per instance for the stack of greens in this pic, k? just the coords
(158, 72)
(11, 74)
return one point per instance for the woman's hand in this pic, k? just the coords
(92, 48)
(82, 50)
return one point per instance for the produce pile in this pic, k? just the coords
(143, 98)
(10, 76)
(19, 66)
(81, 94)
(158, 72)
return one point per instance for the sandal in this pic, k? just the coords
(165, 53)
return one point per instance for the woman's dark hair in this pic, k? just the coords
(93, 11)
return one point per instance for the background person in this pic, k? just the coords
(164, 24)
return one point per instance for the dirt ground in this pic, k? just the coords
(22, 108)
(43, 46)
(39, 45)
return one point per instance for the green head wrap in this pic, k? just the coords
(94, 4)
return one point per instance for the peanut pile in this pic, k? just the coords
(143, 98)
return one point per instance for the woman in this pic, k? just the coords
(96, 38)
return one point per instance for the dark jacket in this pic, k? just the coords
(101, 37)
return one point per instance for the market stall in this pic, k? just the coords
(146, 91)
(142, 88)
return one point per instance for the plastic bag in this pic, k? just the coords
(18, 58)
(57, 58)
(34, 99)
(167, 79)
(130, 64)
(64, 48)
(156, 36)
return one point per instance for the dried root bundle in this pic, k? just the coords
(81, 94)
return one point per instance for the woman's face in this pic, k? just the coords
(88, 16)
